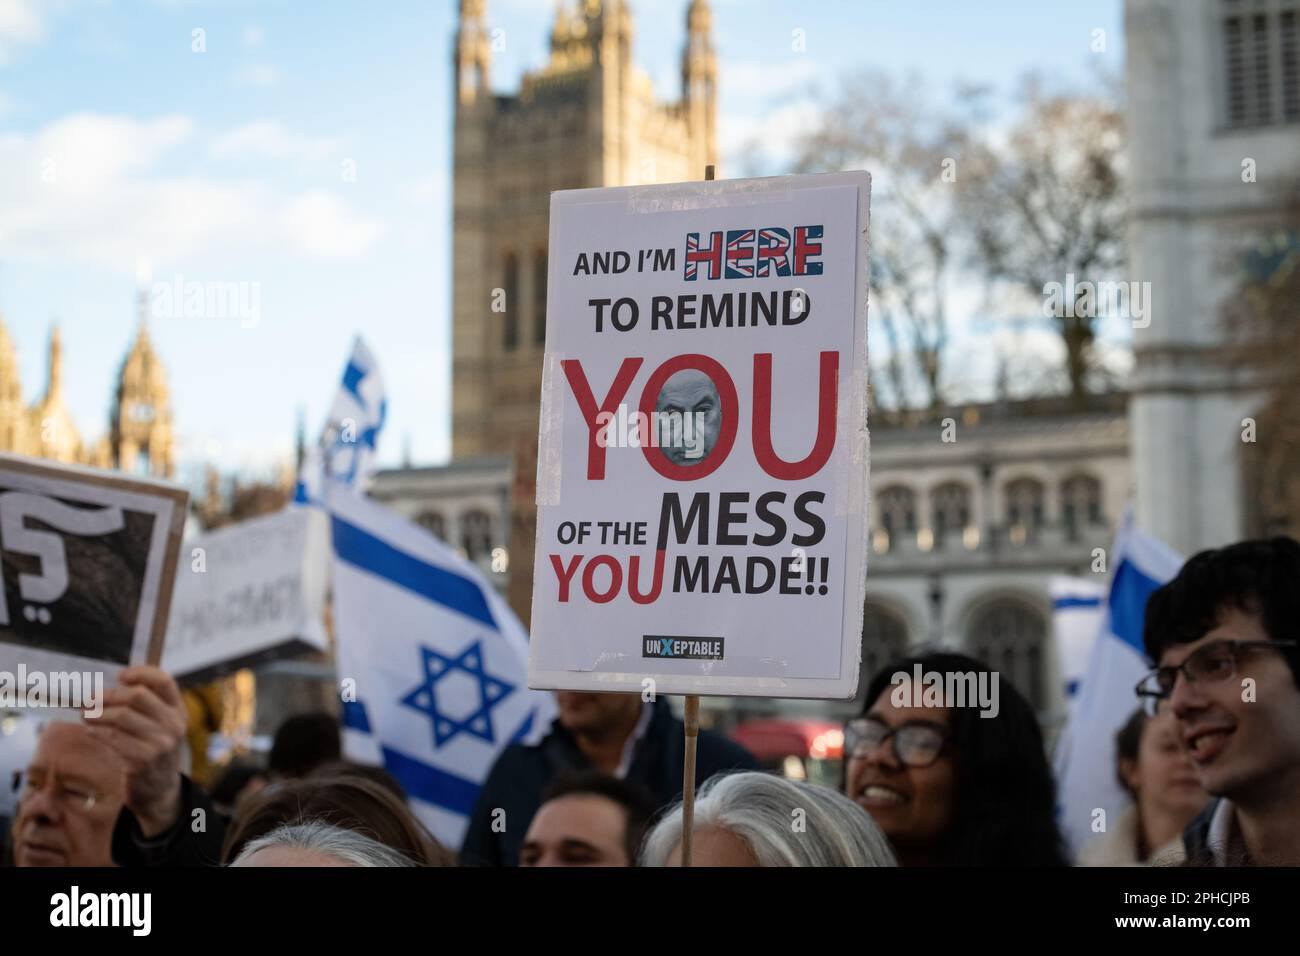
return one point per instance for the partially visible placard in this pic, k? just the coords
(87, 564)
(249, 593)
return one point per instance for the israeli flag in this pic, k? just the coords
(1085, 754)
(1078, 609)
(432, 663)
(350, 438)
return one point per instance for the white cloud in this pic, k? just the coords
(268, 139)
(20, 25)
(93, 188)
(776, 134)
(325, 226)
(795, 74)
(258, 75)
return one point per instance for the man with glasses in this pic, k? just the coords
(109, 790)
(1223, 634)
(69, 800)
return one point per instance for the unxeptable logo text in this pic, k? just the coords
(682, 648)
(132, 910)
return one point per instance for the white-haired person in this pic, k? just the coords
(316, 843)
(759, 819)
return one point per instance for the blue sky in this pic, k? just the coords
(306, 152)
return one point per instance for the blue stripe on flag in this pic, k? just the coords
(1063, 603)
(1128, 602)
(352, 377)
(355, 716)
(430, 784)
(369, 553)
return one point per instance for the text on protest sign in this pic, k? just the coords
(703, 448)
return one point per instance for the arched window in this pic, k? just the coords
(1009, 636)
(539, 297)
(1080, 504)
(896, 508)
(510, 286)
(1024, 510)
(884, 639)
(434, 523)
(951, 505)
(476, 535)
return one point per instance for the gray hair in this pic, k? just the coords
(348, 846)
(763, 810)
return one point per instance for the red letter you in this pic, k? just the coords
(587, 405)
(827, 391)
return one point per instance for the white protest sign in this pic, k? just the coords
(248, 593)
(702, 462)
(87, 562)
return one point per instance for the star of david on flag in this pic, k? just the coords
(425, 697)
(438, 660)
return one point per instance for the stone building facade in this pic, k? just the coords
(1213, 99)
(587, 117)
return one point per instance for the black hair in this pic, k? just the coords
(1258, 577)
(1128, 741)
(1006, 798)
(637, 803)
(303, 743)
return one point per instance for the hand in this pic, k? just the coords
(143, 721)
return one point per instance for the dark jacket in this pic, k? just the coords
(521, 773)
(1196, 841)
(183, 844)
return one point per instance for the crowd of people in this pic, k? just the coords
(1211, 759)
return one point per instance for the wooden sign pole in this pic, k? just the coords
(691, 720)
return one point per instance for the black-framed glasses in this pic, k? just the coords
(915, 744)
(74, 796)
(1214, 663)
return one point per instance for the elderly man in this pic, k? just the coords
(71, 795)
(110, 789)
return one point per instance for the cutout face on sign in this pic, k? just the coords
(688, 417)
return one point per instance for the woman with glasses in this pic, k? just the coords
(948, 786)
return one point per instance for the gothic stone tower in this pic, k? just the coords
(587, 118)
(142, 439)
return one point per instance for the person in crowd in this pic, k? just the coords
(760, 819)
(239, 780)
(953, 785)
(346, 801)
(70, 797)
(1223, 634)
(619, 735)
(314, 843)
(303, 743)
(1155, 770)
(117, 775)
(588, 819)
